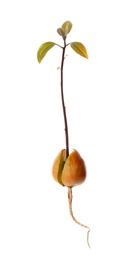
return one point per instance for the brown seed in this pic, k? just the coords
(71, 171)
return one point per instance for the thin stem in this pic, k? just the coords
(59, 45)
(63, 102)
(70, 196)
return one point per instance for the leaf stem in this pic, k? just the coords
(63, 102)
(59, 45)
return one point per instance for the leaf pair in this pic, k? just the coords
(78, 47)
(65, 29)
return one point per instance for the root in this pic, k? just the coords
(70, 198)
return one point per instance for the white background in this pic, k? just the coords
(34, 217)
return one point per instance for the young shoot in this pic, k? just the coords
(68, 169)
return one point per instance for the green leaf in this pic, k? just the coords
(67, 26)
(62, 33)
(79, 48)
(43, 49)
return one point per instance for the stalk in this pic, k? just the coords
(63, 102)
(70, 195)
